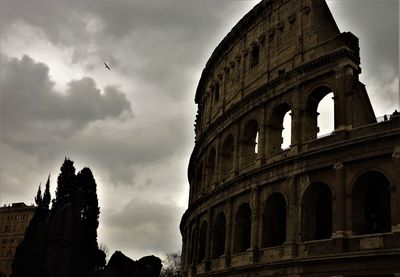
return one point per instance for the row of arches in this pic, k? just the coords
(218, 162)
(370, 213)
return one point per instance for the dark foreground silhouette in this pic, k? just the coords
(62, 241)
(120, 265)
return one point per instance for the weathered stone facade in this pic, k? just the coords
(326, 206)
(14, 219)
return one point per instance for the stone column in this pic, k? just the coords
(218, 159)
(343, 100)
(255, 207)
(292, 215)
(262, 136)
(339, 207)
(229, 231)
(339, 202)
(237, 149)
(296, 118)
(208, 240)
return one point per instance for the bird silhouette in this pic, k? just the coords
(107, 66)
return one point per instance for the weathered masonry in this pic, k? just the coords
(324, 206)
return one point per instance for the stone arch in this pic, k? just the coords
(218, 236)
(274, 220)
(316, 212)
(249, 142)
(199, 178)
(192, 245)
(242, 229)
(370, 204)
(211, 165)
(227, 155)
(201, 254)
(310, 124)
(276, 127)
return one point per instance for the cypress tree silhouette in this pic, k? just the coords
(89, 215)
(66, 184)
(91, 258)
(38, 198)
(46, 195)
(63, 241)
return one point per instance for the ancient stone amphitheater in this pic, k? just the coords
(324, 206)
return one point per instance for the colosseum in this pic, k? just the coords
(320, 206)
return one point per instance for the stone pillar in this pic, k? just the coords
(219, 159)
(262, 136)
(296, 117)
(339, 208)
(343, 100)
(339, 202)
(237, 149)
(292, 218)
(255, 212)
(229, 231)
(208, 239)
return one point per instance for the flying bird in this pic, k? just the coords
(107, 66)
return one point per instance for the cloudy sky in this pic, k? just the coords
(133, 125)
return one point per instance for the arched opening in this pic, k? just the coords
(254, 55)
(218, 236)
(192, 250)
(202, 242)
(276, 128)
(199, 178)
(326, 113)
(211, 166)
(319, 113)
(371, 204)
(274, 221)
(227, 156)
(242, 230)
(249, 142)
(286, 131)
(317, 212)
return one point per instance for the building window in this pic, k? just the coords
(317, 212)
(202, 242)
(254, 56)
(216, 92)
(218, 236)
(249, 143)
(242, 229)
(371, 204)
(274, 221)
(17, 217)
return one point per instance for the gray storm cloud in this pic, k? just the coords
(153, 226)
(31, 107)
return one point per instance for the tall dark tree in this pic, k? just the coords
(38, 198)
(89, 212)
(63, 240)
(46, 195)
(66, 184)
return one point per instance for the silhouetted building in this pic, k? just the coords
(14, 220)
(324, 206)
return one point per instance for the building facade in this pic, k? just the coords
(14, 219)
(324, 206)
